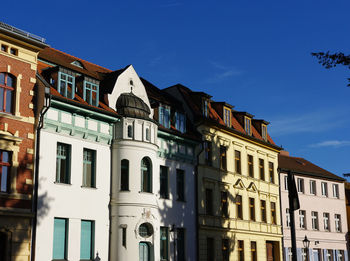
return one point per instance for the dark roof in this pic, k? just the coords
(304, 167)
(129, 105)
(110, 78)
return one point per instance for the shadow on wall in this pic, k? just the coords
(15, 227)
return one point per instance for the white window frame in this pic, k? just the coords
(335, 188)
(286, 182)
(313, 187)
(302, 219)
(314, 220)
(324, 189)
(337, 221)
(301, 187)
(326, 222)
(287, 217)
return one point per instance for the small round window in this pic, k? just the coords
(145, 230)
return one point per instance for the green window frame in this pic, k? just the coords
(164, 182)
(124, 175)
(63, 158)
(164, 243)
(87, 240)
(89, 168)
(146, 175)
(66, 85)
(91, 92)
(180, 184)
(60, 239)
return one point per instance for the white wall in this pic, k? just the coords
(72, 201)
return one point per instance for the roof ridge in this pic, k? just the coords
(81, 59)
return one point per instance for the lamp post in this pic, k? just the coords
(306, 243)
(174, 230)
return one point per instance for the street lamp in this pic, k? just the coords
(174, 230)
(306, 243)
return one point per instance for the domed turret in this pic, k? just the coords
(129, 105)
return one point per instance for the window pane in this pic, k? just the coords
(86, 240)
(164, 239)
(60, 238)
(10, 81)
(180, 184)
(2, 78)
(4, 180)
(8, 101)
(63, 163)
(2, 99)
(163, 182)
(124, 180)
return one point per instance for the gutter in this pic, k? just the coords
(36, 169)
(304, 173)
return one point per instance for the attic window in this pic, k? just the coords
(180, 122)
(227, 117)
(77, 63)
(91, 92)
(264, 132)
(164, 116)
(247, 125)
(66, 85)
(205, 108)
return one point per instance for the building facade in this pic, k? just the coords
(322, 215)
(238, 186)
(18, 65)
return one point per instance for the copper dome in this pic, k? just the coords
(129, 105)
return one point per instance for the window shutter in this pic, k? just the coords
(86, 239)
(59, 238)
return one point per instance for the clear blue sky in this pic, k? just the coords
(254, 55)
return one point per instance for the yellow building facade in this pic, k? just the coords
(253, 203)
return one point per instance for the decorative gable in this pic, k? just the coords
(252, 187)
(239, 184)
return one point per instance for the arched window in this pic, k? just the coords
(130, 131)
(7, 86)
(146, 175)
(124, 175)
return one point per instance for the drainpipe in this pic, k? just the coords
(196, 199)
(47, 103)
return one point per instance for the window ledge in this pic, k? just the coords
(63, 184)
(10, 116)
(87, 187)
(145, 192)
(126, 190)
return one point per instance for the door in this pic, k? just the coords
(144, 251)
(269, 251)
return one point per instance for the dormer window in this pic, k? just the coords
(164, 116)
(227, 117)
(66, 85)
(78, 64)
(264, 132)
(91, 92)
(180, 122)
(205, 108)
(247, 125)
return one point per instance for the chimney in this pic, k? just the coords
(284, 153)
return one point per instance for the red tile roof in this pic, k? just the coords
(303, 166)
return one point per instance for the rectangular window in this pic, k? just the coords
(312, 187)
(326, 221)
(272, 172)
(335, 188)
(60, 239)
(227, 117)
(209, 201)
(337, 219)
(5, 167)
(273, 213)
(252, 209)
(66, 85)
(285, 182)
(7, 90)
(303, 254)
(225, 243)
(287, 218)
(290, 254)
(13, 51)
(87, 238)
(247, 126)
(63, 163)
(180, 122)
(253, 251)
(208, 152)
(262, 169)
(340, 255)
(314, 220)
(250, 166)
(264, 132)
(180, 184)
(124, 236)
(240, 250)
(239, 207)
(164, 116)
(89, 168)
(300, 183)
(324, 189)
(210, 249)
(164, 243)
(302, 219)
(164, 184)
(4, 48)
(205, 108)
(238, 161)
(263, 210)
(180, 244)
(329, 255)
(91, 93)
(224, 204)
(223, 157)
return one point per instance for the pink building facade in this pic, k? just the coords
(322, 214)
